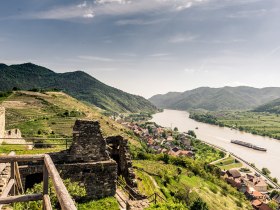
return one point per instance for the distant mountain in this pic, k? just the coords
(213, 99)
(271, 107)
(77, 84)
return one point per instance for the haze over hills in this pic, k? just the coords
(215, 99)
(77, 84)
(271, 107)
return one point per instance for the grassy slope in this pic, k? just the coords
(33, 112)
(212, 194)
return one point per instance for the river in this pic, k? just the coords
(221, 137)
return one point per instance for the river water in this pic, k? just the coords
(222, 136)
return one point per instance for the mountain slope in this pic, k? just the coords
(271, 107)
(213, 99)
(77, 84)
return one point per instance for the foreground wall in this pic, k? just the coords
(87, 162)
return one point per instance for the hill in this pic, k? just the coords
(214, 99)
(78, 84)
(52, 114)
(271, 107)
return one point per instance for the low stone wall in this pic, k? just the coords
(98, 178)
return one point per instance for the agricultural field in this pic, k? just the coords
(228, 163)
(178, 183)
(265, 124)
(52, 115)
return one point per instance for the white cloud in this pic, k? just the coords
(138, 22)
(90, 9)
(95, 58)
(82, 5)
(180, 38)
(159, 55)
(89, 15)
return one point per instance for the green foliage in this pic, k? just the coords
(77, 84)
(109, 203)
(271, 107)
(264, 124)
(216, 99)
(73, 188)
(199, 205)
(273, 193)
(273, 205)
(168, 206)
(265, 171)
(192, 133)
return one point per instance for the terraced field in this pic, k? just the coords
(171, 180)
(52, 115)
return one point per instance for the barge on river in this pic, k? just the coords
(245, 144)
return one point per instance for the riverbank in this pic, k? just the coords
(221, 136)
(263, 124)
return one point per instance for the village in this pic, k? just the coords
(179, 144)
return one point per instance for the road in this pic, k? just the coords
(246, 164)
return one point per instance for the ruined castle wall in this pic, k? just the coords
(88, 142)
(2, 123)
(120, 152)
(98, 178)
(87, 162)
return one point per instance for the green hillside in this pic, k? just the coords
(214, 99)
(78, 84)
(52, 114)
(271, 107)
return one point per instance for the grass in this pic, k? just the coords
(229, 163)
(109, 203)
(43, 115)
(206, 153)
(265, 124)
(171, 181)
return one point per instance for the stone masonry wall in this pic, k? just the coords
(87, 162)
(2, 123)
(98, 178)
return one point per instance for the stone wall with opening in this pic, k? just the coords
(87, 161)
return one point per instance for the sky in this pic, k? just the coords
(148, 47)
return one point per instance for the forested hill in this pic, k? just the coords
(77, 84)
(215, 99)
(271, 107)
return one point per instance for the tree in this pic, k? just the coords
(265, 171)
(273, 205)
(176, 129)
(192, 133)
(199, 204)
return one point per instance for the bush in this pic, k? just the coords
(73, 188)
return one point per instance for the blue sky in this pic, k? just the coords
(147, 47)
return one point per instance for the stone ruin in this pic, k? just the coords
(90, 161)
(2, 123)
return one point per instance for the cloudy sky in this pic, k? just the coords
(147, 47)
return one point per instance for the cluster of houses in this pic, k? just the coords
(254, 187)
(163, 140)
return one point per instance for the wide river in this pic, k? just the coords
(222, 136)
